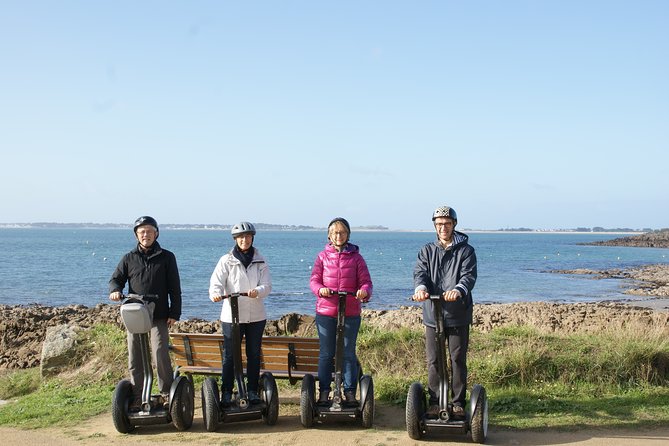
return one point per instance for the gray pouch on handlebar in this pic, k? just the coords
(137, 317)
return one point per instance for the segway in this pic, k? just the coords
(476, 417)
(336, 407)
(136, 313)
(241, 408)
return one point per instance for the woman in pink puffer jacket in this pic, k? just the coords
(339, 267)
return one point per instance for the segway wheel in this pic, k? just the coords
(479, 419)
(210, 404)
(182, 408)
(366, 382)
(307, 400)
(270, 394)
(120, 401)
(415, 410)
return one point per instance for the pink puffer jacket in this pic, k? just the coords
(340, 271)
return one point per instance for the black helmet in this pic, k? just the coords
(342, 221)
(445, 211)
(242, 228)
(145, 220)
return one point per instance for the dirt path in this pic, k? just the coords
(389, 429)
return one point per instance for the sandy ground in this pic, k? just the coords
(388, 429)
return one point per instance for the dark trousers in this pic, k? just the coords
(457, 340)
(252, 332)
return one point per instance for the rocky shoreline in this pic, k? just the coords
(23, 328)
(655, 239)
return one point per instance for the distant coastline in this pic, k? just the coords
(277, 227)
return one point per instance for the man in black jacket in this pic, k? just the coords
(447, 267)
(150, 269)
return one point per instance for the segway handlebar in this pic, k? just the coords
(348, 293)
(226, 296)
(432, 297)
(132, 297)
(342, 293)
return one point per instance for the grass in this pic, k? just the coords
(533, 380)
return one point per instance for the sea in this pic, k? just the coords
(58, 267)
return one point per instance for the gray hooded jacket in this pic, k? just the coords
(441, 269)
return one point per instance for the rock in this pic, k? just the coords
(57, 349)
(654, 239)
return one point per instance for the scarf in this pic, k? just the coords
(244, 257)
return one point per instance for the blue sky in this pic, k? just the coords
(541, 114)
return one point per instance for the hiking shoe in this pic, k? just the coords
(323, 398)
(349, 397)
(433, 411)
(254, 398)
(226, 398)
(458, 412)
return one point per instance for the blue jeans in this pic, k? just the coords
(252, 332)
(327, 334)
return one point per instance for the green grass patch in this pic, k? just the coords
(57, 403)
(18, 383)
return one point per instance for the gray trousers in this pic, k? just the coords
(457, 340)
(160, 354)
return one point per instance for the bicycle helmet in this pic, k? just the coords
(445, 211)
(242, 228)
(145, 220)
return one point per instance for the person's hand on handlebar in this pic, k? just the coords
(115, 296)
(253, 293)
(361, 295)
(216, 298)
(420, 296)
(324, 292)
(452, 295)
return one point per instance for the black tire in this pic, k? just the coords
(415, 410)
(307, 400)
(479, 420)
(368, 408)
(210, 404)
(270, 394)
(120, 401)
(182, 408)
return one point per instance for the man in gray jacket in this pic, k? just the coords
(447, 267)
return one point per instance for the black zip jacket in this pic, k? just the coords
(155, 272)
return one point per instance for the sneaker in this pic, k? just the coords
(166, 400)
(458, 412)
(323, 397)
(432, 411)
(349, 396)
(254, 398)
(226, 398)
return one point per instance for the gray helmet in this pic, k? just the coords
(243, 227)
(145, 220)
(445, 211)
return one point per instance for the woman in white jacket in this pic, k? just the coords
(242, 270)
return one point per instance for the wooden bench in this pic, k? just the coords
(285, 357)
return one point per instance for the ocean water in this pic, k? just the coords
(72, 266)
